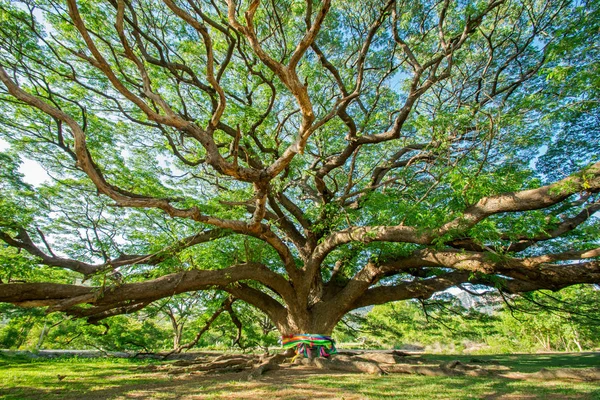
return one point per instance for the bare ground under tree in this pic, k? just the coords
(254, 367)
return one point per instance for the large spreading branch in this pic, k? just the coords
(526, 200)
(61, 297)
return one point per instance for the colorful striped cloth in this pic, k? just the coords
(325, 345)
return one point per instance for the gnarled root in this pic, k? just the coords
(344, 363)
(224, 363)
(376, 363)
(270, 363)
(570, 374)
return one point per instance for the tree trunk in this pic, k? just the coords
(177, 337)
(42, 337)
(177, 328)
(318, 324)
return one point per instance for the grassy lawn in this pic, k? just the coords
(22, 378)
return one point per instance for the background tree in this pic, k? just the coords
(530, 322)
(309, 158)
(441, 323)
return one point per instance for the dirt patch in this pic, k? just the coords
(290, 382)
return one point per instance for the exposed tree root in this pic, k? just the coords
(228, 363)
(417, 370)
(262, 368)
(232, 364)
(382, 358)
(270, 363)
(375, 363)
(220, 364)
(456, 368)
(341, 363)
(571, 374)
(223, 357)
(186, 363)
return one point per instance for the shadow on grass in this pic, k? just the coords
(526, 362)
(188, 387)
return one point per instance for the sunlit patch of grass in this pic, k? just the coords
(22, 378)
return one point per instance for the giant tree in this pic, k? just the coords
(307, 157)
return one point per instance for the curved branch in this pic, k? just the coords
(310, 36)
(23, 241)
(565, 226)
(276, 312)
(421, 289)
(526, 200)
(484, 262)
(66, 297)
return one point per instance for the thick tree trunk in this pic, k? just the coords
(177, 328)
(177, 337)
(314, 323)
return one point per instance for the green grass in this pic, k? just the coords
(22, 378)
(527, 362)
(418, 387)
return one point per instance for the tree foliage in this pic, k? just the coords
(308, 158)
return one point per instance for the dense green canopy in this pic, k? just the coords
(307, 157)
